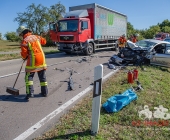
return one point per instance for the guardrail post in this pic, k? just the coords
(97, 92)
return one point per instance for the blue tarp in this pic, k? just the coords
(118, 101)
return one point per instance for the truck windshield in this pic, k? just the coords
(68, 25)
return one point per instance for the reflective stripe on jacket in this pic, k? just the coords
(32, 50)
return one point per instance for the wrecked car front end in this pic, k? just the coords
(136, 56)
(147, 51)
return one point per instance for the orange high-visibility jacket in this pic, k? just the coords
(134, 40)
(32, 50)
(122, 41)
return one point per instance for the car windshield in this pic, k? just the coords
(68, 25)
(145, 44)
(168, 40)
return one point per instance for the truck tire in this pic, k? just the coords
(89, 49)
(67, 52)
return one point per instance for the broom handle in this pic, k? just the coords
(19, 73)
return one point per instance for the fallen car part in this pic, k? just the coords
(111, 66)
(70, 83)
(138, 88)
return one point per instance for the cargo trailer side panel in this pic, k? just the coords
(108, 23)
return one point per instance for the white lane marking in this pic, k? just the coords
(20, 58)
(3, 76)
(51, 115)
(46, 119)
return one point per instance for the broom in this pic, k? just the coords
(12, 90)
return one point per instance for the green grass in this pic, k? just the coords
(76, 124)
(4, 57)
(6, 46)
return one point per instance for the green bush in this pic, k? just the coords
(11, 36)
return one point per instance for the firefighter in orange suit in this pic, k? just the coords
(32, 51)
(135, 38)
(122, 42)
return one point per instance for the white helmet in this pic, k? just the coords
(21, 29)
(136, 35)
(123, 35)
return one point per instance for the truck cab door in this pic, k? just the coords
(85, 31)
(162, 56)
(53, 31)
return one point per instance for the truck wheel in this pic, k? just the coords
(67, 52)
(89, 49)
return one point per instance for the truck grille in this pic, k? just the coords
(66, 38)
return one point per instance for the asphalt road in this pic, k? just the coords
(20, 119)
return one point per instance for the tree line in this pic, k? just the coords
(37, 18)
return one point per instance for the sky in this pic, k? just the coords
(140, 13)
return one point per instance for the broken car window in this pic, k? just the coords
(145, 44)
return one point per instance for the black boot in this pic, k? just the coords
(28, 96)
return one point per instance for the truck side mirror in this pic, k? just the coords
(82, 28)
(53, 26)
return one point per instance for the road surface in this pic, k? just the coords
(20, 119)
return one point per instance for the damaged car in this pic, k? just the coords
(147, 51)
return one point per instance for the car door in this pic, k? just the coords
(161, 57)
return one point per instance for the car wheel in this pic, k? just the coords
(89, 49)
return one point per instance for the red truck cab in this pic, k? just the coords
(73, 32)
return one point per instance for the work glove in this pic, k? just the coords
(25, 58)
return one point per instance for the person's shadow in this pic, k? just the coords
(19, 98)
(70, 135)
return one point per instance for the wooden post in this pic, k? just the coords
(97, 92)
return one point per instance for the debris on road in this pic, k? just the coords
(59, 69)
(70, 83)
(84, 59)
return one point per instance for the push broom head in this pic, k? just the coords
(12, 91)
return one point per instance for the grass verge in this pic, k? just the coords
(6, 46)
(76, 124)
(4, 57)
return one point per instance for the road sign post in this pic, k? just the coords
(97, 92)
